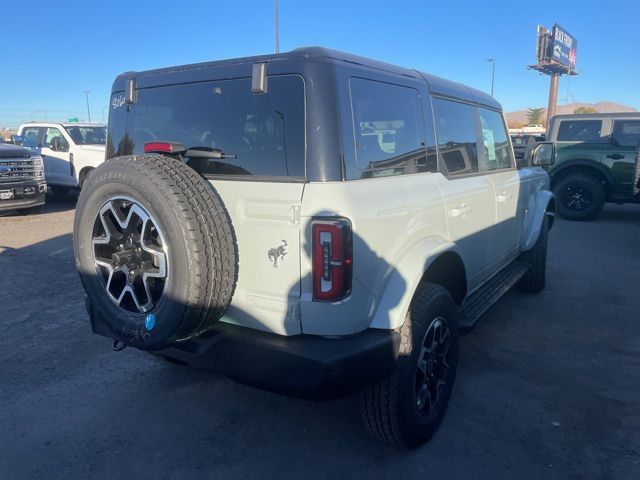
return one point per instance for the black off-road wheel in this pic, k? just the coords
(406, 409)
(155, 249)
(580, 196)
(534, 280)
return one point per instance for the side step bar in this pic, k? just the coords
(482, 299)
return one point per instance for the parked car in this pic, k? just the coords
(22, 182)
(312, 223)
(597, 161)
(523, 145)
(70, 150)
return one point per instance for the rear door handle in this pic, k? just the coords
(460, 210)
(615, 156)
(504, 197)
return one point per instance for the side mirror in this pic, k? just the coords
(544, 154)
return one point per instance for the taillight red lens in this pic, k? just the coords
(163, 147)
(332, 259)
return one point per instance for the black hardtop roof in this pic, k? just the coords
(438, 85)
(591, 116)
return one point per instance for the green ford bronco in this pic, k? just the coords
(597, 161)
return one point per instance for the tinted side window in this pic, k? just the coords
(497, 151)
(626, 133)
(389, 130)
(54, 140)
(457, 131)
(580, 131)
(265, 133)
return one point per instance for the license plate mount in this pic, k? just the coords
(6, 194)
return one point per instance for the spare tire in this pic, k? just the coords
(155, 249)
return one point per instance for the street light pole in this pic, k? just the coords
(86, 93)
(493, 72)
(276, 24)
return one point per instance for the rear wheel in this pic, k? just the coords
(580, 196)
(83, 177)
(155, 249)
(534, 280)
(407, 408)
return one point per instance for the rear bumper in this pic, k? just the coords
(27, 195)
(304, 366)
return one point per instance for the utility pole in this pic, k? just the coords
(86, 93)
(553, 96)
(493, 72)
(276, 22)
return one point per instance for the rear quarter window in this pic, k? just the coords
(388, 129)
(587, 131)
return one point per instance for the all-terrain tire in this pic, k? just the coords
(83, 177)
(591, 196)
(389, 409)
(534, 280)
(200, 248)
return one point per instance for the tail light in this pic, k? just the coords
(332, 258)
(163, 147)
(72, 168)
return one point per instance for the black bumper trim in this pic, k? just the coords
(303, 366)
(26, 201)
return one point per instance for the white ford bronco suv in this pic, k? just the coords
(312, 223)
(70, 150)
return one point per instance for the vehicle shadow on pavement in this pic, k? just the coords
(65, 390)
(61, 203)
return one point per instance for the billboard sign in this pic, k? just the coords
(563, 47)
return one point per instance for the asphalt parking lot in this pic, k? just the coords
(548, 385)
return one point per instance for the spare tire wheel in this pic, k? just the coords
(155, 249)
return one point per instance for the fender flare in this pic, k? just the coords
(543, 204)
(393, 305)
(578, 163)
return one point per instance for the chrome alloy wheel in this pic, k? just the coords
(130, 255)
(432, 367)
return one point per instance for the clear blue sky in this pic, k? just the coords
(55, 54)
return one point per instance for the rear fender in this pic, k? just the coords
(404, 279)
(541, 204)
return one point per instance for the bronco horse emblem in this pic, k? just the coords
(278, 253)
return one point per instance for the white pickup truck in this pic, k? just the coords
(70, 150)
(312, 223)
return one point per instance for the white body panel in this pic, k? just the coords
(400, 225)
(264, 214)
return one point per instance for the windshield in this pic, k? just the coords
(88, 135)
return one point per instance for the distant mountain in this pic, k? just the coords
(520, 116)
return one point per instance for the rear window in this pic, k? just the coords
(265, 133)
(87, 135)
(580, 131)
